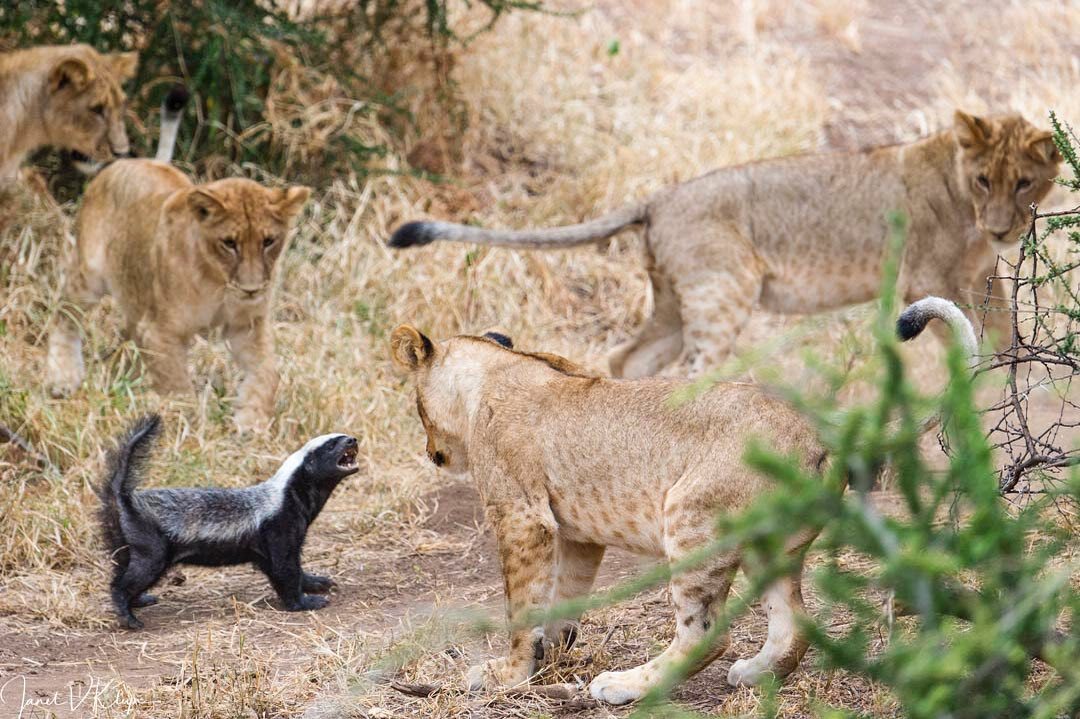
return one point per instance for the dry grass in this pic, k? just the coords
(557, 125)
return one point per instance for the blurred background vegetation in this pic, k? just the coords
(302, 88)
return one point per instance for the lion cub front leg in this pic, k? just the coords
(253, 348)
(165, 354)
(527, 539)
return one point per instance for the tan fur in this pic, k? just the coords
(807, 234)
(66, 96)
(161, 246)
(568, 464)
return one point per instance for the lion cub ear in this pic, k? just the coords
(71, 72)
(204, 205)
(1041, 148)
(123, 65)
(410, 349)
(287, 203)
(971, 132)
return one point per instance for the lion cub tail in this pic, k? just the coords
(172, 109)
(913, 321)
(422, 233)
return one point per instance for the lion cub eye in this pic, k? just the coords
(984, 182)
(268, 242)
(229, 244)
(1022, 184)
(98, 109)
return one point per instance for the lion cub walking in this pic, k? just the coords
(180, 259)
(568, 463)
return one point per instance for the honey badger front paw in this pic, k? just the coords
(308, 602)
(317, 584)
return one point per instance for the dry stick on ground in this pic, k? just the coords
(548, 691)
(10, 436)
(1035, 358)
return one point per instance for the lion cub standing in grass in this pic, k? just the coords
(567, 463)
(809, 233)
(180, 259)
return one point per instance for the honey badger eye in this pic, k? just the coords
(984, 182)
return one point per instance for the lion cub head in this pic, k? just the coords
(238, 229)
(83, 108)
(449, 378)
(1006, 163)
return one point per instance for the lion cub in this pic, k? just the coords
(807, 234)
(180, 259)
(66, 95)
(567, 464)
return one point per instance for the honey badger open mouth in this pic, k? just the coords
(347, 460)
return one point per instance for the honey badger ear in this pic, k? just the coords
(410, 349)
(501, 339)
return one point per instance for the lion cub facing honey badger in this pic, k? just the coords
(567, 463)
(180, 259)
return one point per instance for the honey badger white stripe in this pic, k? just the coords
(211, 514)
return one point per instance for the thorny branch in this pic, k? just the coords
(1043, 356)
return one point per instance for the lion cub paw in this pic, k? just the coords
(744, 673)
(496, 673)
(619, 687)
(251, 420)
(64, 375)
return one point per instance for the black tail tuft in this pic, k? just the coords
(501, 339)
(125, 463)
(177, 99)
(911, 323)
(412, 234)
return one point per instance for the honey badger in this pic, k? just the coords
(146, 531)
(567, 464)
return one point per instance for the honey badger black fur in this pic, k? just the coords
(148, 530)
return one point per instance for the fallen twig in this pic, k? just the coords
(562, 692)
(10, 436)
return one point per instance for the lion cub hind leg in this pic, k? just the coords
(698, 593)
(698, 596)
(715, 304)
(785, 646)
(527, 537)
(64, 368)
(659, 342)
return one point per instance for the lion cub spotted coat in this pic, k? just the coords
(180, 259)
(809, 233)
(568, 463)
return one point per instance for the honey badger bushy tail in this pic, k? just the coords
(422, 233)
(125, 464)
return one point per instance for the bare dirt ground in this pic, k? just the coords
(217, 646)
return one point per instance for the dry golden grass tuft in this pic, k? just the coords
(560, 118)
